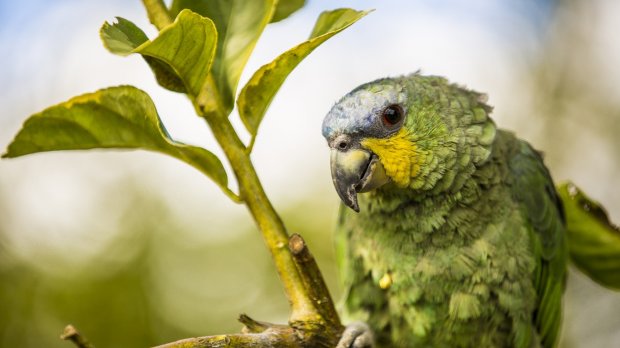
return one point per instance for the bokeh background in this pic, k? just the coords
(138, 249)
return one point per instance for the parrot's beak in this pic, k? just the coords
(353, 171)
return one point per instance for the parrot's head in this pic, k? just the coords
(414, 132)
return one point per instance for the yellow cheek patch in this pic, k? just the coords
(398, 155)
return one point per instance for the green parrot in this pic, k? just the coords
(453, 234)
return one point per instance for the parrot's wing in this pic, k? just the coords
(534, 191)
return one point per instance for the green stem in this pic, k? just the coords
(158, 13)
(270, 224)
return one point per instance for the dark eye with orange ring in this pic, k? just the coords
(392, 116)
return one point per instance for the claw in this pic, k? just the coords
(357, 335)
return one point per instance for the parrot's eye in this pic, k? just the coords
(392, 116)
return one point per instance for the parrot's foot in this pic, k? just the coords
(356, 335)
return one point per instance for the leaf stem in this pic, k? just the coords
(232, 195)
(158, 13)
(250, 146)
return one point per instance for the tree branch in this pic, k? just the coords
(270, 338)
(313, 321)
(254, 334)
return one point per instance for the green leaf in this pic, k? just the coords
(121, 117)
(285, 8)
(260, 90)
(122, 37)
(593, 241)
(181, 56)
(239, 24)
(331, 20)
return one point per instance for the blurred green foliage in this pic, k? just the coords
(154, 282)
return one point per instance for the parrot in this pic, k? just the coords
(451, 232)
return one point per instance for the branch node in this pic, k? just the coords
(298, 246)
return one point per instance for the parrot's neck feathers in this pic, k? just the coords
(452, 138)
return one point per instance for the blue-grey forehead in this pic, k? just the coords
(357, 111)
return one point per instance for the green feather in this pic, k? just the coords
(541, 205)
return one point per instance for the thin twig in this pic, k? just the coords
(254, 326)
(72, 334)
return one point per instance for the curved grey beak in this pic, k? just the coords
(353, 171)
